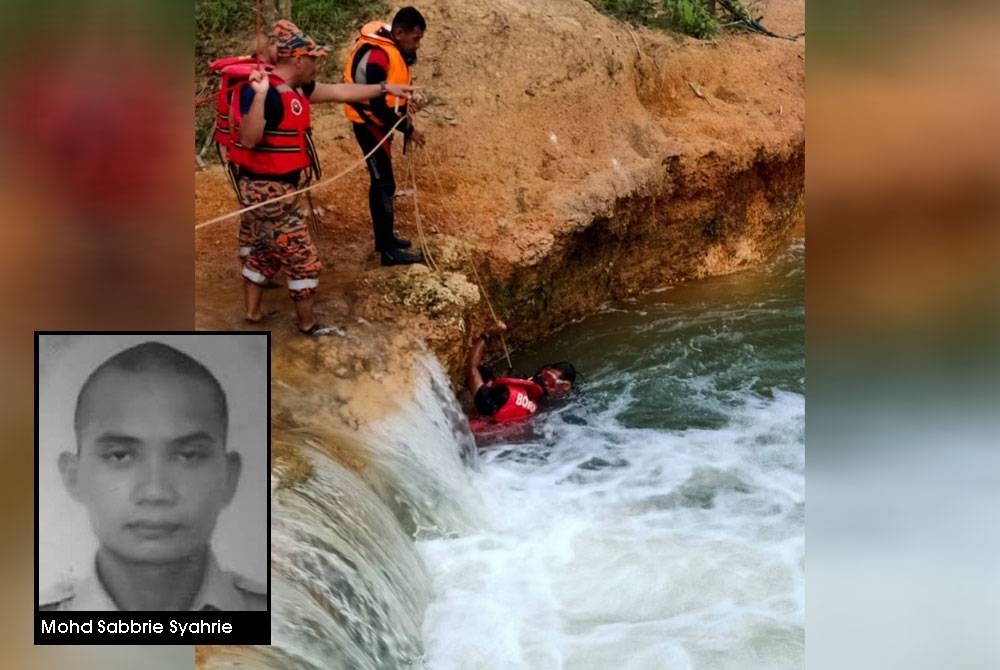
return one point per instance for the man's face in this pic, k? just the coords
(553, 382)
(306, 70)
(151, 469)
(408, 41)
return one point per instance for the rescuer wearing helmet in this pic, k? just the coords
(383, 54)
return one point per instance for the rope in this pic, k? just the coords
(258, 31)
(434, 173)
(257, 58)
(213, 96)
(209, 98)
(208, 140)
(427, 255)
(426, 251)
(325, 182)
(486, 297)
(424, 247)
(313, 220)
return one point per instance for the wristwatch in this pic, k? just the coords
(381, 87)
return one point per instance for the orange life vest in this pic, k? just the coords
(283, 149)
(399, 72)
(522, 400)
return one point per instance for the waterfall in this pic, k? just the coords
(352, 487)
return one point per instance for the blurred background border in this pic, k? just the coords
(902, 294)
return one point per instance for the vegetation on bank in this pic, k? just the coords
(698, 18)
(691, 17)
(229, 28)
(327, 20)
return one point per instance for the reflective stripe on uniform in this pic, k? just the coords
(264, 147)
(300, 284)
(255, 277)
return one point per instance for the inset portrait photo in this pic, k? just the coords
(152, 472)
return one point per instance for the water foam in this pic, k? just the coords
(655, 521)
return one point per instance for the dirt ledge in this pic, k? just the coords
(573, 159)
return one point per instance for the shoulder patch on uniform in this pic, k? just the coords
(51, 598)
(249, 585)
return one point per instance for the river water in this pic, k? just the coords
(655, 519)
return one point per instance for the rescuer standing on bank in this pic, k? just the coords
(272, 146)
(383, 54)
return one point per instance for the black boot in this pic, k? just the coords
(396, 243)
(399, 257)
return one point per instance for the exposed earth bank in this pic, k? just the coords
(571, 159)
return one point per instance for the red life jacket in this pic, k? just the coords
(233, 72)
(522, 401)
(488, 433)
(283, 149)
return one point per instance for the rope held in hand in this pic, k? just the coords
(325, 182)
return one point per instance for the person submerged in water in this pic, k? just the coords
(512, 398)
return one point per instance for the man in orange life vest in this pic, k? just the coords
(384, 54)
(272, 146)
(506, 399)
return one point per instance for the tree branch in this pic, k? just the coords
(737, 11)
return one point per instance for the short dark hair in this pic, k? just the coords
(408, 18)
(153, 357)
(489, 399)
(564, 368)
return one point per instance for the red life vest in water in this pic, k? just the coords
(522, 401)
(233, 72)
(283, 149)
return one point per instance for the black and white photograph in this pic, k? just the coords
(152, 478)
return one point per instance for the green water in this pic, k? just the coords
(691, 354)
(655, 518)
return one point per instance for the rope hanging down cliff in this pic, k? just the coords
(425, 249)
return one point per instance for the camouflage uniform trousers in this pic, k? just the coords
(277, 237)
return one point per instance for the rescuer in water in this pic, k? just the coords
(510, 399)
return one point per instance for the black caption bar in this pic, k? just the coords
(152, 628)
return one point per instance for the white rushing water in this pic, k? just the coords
(656, 521)
(630, 548)
(348, 587)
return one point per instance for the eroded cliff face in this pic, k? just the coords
(570, 160)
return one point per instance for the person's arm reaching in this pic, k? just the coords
(357, 92)
(473, 379)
